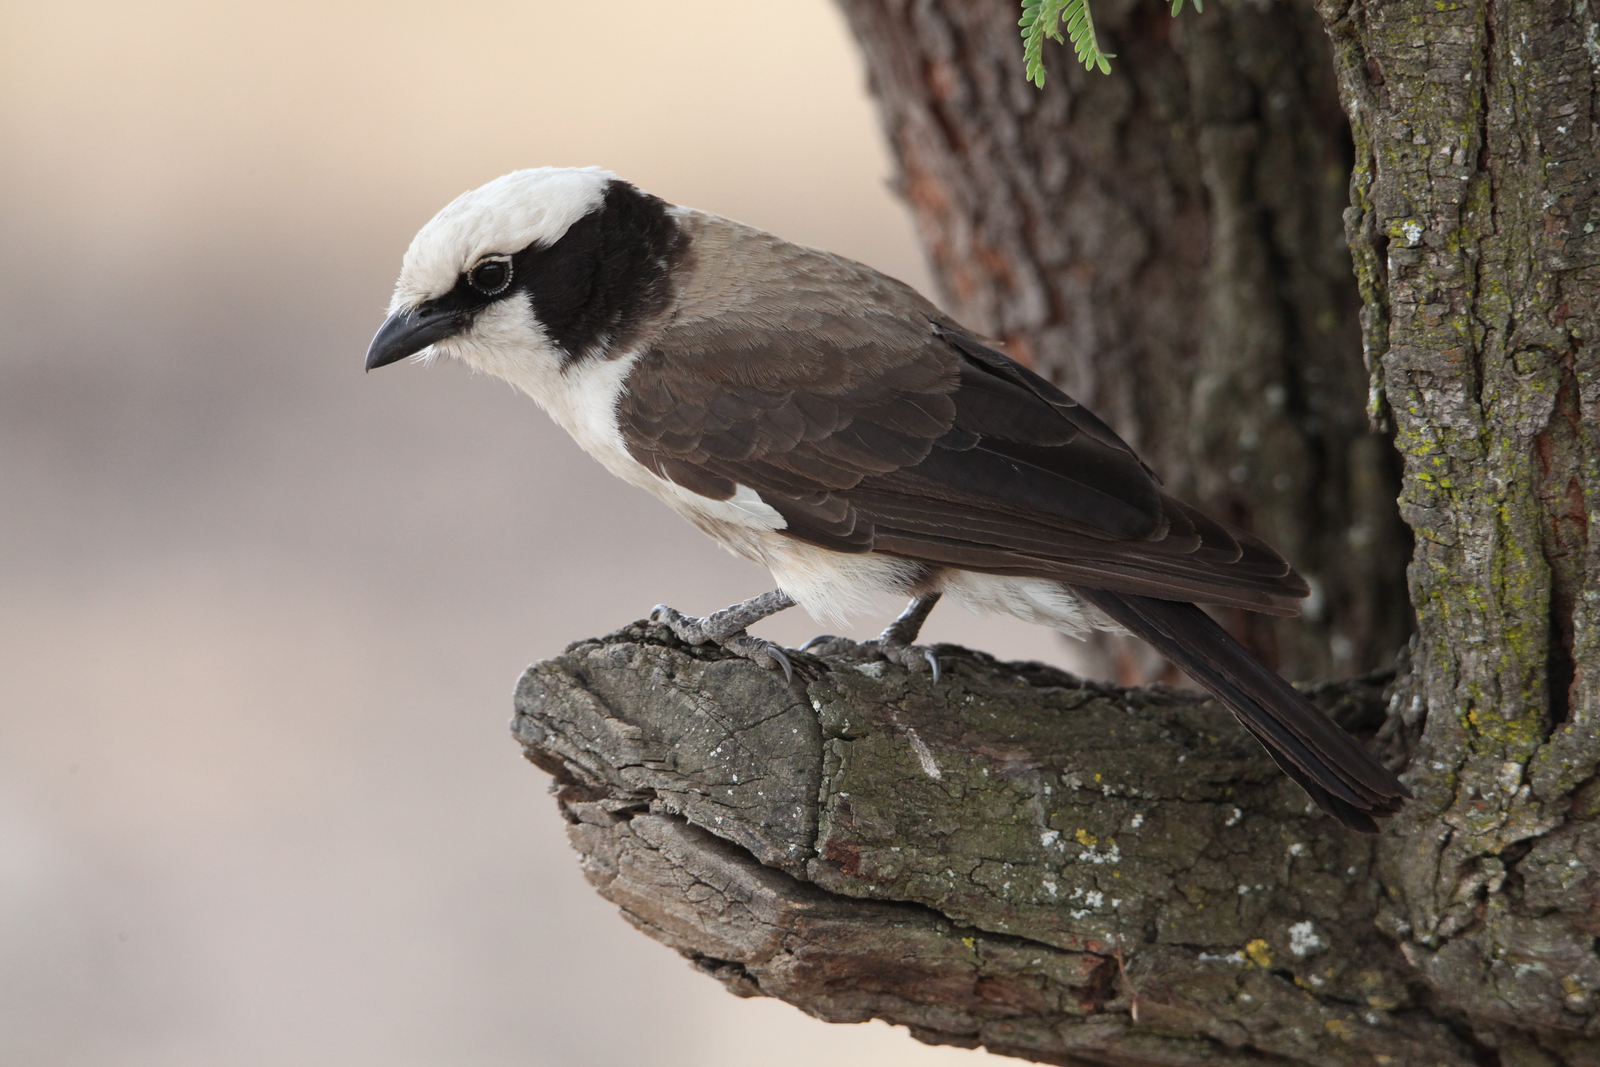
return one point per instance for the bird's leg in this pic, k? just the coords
(896, 642)
(727, 628)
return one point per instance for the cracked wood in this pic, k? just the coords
(1014, 858)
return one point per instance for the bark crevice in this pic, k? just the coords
(1013, 858)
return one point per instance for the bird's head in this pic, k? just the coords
(505, 272)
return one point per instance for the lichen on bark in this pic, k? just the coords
(1055, 869)
(1473, 213)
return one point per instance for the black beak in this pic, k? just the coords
(405, 333)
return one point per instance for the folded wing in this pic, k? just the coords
(900, 433)
(905, 435)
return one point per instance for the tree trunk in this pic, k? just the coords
(1472, 220)
(1080, 874)
(1166, 243)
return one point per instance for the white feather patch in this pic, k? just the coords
(748, 503)
(1036, 600)
(506, 340)
(505, 216)
(834, 586)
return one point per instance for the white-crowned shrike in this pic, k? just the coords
(829, 423)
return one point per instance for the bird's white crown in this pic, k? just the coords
(504, 216)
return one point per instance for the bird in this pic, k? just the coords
(831, 424)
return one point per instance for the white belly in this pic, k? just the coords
(832, 586)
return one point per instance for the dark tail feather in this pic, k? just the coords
(1343, 778)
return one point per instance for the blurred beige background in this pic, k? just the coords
(260, 614)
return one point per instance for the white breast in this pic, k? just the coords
(582, 398)
(508, 342)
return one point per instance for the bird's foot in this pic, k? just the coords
(917, 659)
(914, 658)
(726, 629)
(895, 644)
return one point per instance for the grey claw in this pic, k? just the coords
(815, 641)
(783, 661)
(933, 661)
(761, 652)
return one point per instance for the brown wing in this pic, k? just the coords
(874, 425)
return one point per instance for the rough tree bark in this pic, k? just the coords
(1473, 215)
(1077, 873)
(1167, 243)
(1063, 871)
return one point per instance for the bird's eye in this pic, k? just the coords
(491, 276)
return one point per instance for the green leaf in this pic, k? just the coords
(1043, 18)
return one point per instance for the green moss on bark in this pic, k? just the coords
(1477, 163)
(1013, 858)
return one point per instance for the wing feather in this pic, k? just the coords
(896, 431)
